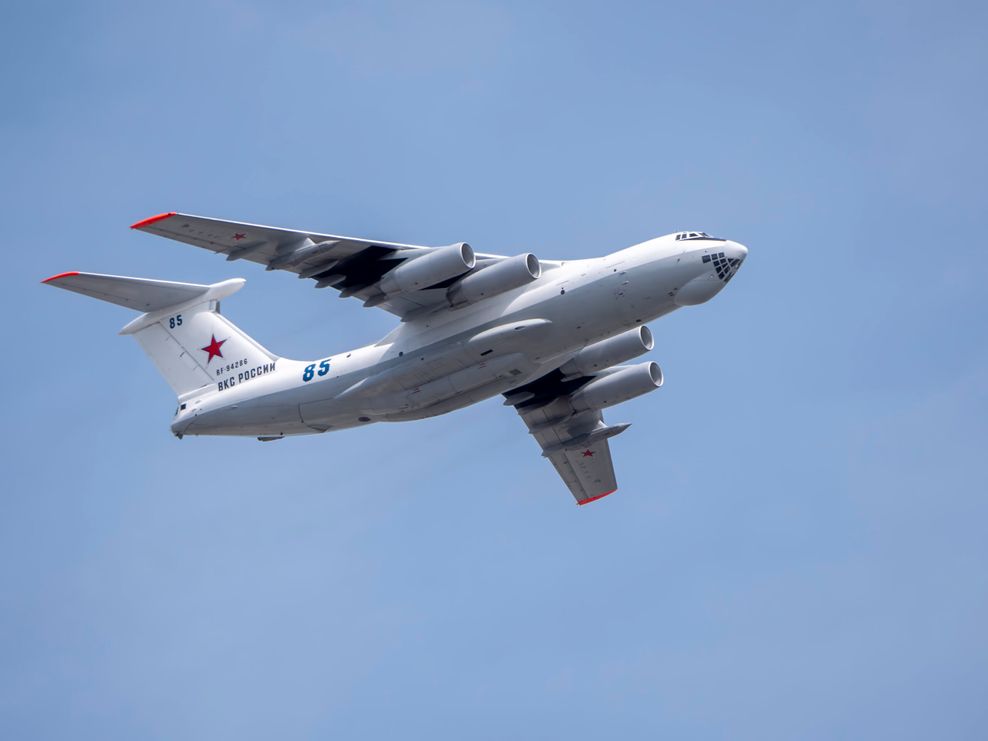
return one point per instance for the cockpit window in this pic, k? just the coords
(694, 235)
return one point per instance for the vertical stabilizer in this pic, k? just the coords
(181, 328)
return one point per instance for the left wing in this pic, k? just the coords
(576, 444)
(351, 265)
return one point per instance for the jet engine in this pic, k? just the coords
(600, 355)
(433, 267)
(500, 277)
(618, 385)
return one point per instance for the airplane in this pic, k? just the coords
(551, 336)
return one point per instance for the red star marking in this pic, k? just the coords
(238, 236)
(213, 348)
(588, 454)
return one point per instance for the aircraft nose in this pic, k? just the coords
(727, 261)
(735, 250)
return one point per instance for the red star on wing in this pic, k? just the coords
(213, 348)
(238, 236)
(588, 454)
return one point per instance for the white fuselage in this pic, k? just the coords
(445, 360)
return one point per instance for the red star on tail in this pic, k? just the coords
(213, 348)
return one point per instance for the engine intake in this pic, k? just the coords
(600, 355)
(433, 267)
(617, 386)
(498, 278)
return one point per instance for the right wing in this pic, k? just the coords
(351, 265)
(576, 444)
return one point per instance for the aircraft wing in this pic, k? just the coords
(351, 265)
(576, 444)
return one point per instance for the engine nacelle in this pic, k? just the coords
(600, 355)
(433, 267)
(498, 278)
(617, 386)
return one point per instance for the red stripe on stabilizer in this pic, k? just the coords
(147, 222)
(61, 275)
(594, 499)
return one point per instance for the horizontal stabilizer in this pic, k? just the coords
(180, 328)
(141, 294)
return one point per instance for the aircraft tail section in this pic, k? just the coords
(193, 346)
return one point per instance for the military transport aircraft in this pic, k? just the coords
(549, 335)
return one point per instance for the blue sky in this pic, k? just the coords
(798, 547)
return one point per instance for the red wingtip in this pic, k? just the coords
(594, 499)
(151, 220)
(61, 275)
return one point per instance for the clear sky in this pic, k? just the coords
(799, 548)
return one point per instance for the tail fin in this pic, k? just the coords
(182, 329)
